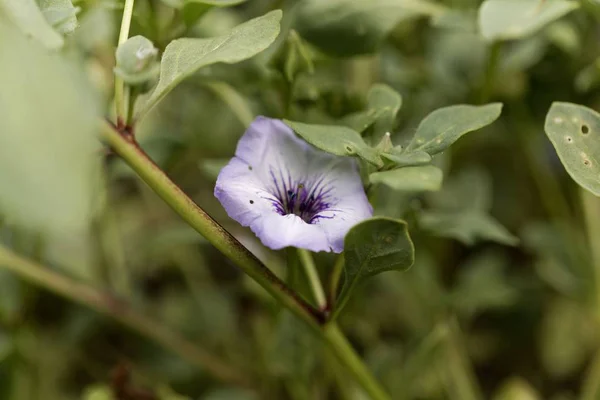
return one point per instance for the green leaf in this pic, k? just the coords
(49, 157)
(29, 19)
(573, 131)
(410, 179)
(468, 227)
(338, 140)
(446, 125)
(387, 102)
(192, 10)
(98, 392)
(183, 57)
(61, 14)
(406, 159)
(297, 57)
(469, 189)
(516, 389)
(360, 120)
(515, 19)
(372, 247)
(351, 27)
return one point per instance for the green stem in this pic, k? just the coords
(490, 73)
(106, 304)
(334, 280)
(591, 212)
(348, 357)
(310, 269)
(198, 219)
(121, 103)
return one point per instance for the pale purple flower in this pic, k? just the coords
(288, 192)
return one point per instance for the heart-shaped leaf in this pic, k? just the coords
(446, 125)
(515, 19)
(338, 140)
(183, 57)
(574, 130)
(372, 247)
(410, 179)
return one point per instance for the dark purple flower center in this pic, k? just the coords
(306, 198)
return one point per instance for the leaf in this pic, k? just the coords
(468, 227)
(573, 131)
(49, 152)
(469, 189)
(410, 179)
(338, 140)
(61, 14)
(192, 10)
(351, 27)
(28, 18)
(515, 19)
(516, 389)
(372, 247)
(446, 125)
(183, 57)
(361, 120)
(98, 392)
(387, 102)
(406, 159)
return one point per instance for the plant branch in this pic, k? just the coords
(198, 219)
(121, 102)
(119, 310)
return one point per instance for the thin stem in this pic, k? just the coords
(310, 269)
(334, 280)
(106, 304)
(198, 219)
(348, 357)
(121, 103)
(591, 212)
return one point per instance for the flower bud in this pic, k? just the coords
(137, 62)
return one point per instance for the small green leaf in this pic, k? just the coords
(515, 19)
(407, 159)
(297, 57)
(49, 157)
(61, 14)
(372, 247)
(468, 227)
(410, 179)
(387, 102)
(361, 120)
(29, 19)
(574, 130)
(351, 27)
(338, 140)
(446, 125)
(183, 57)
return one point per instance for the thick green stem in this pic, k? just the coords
(310, 269)
(108, 305)
(198, 219)
(348, 357)
(121, 97)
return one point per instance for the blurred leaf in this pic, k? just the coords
(360, 120)
(192, 10)
(351, 27)
(297, 57)
(212, 167)
(28, 18)
(11, 301)
(482, 285)
(234, 100)
(5, 345)
(446, 125)
(401, 158)
(229, 394)
(410, 179)
(469, 189)
(387, 102)
(338, 140)
(516, 389)
(61, 14)
(468, 227)
(372, 247)
(567, 337)
(515, 19)
(295, 350)
(183, 57)
(98, 392)
(49, 155)
(166, 393)
(574, 130)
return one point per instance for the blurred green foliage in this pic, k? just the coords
(503, 301)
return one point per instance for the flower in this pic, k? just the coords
(288, 192)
